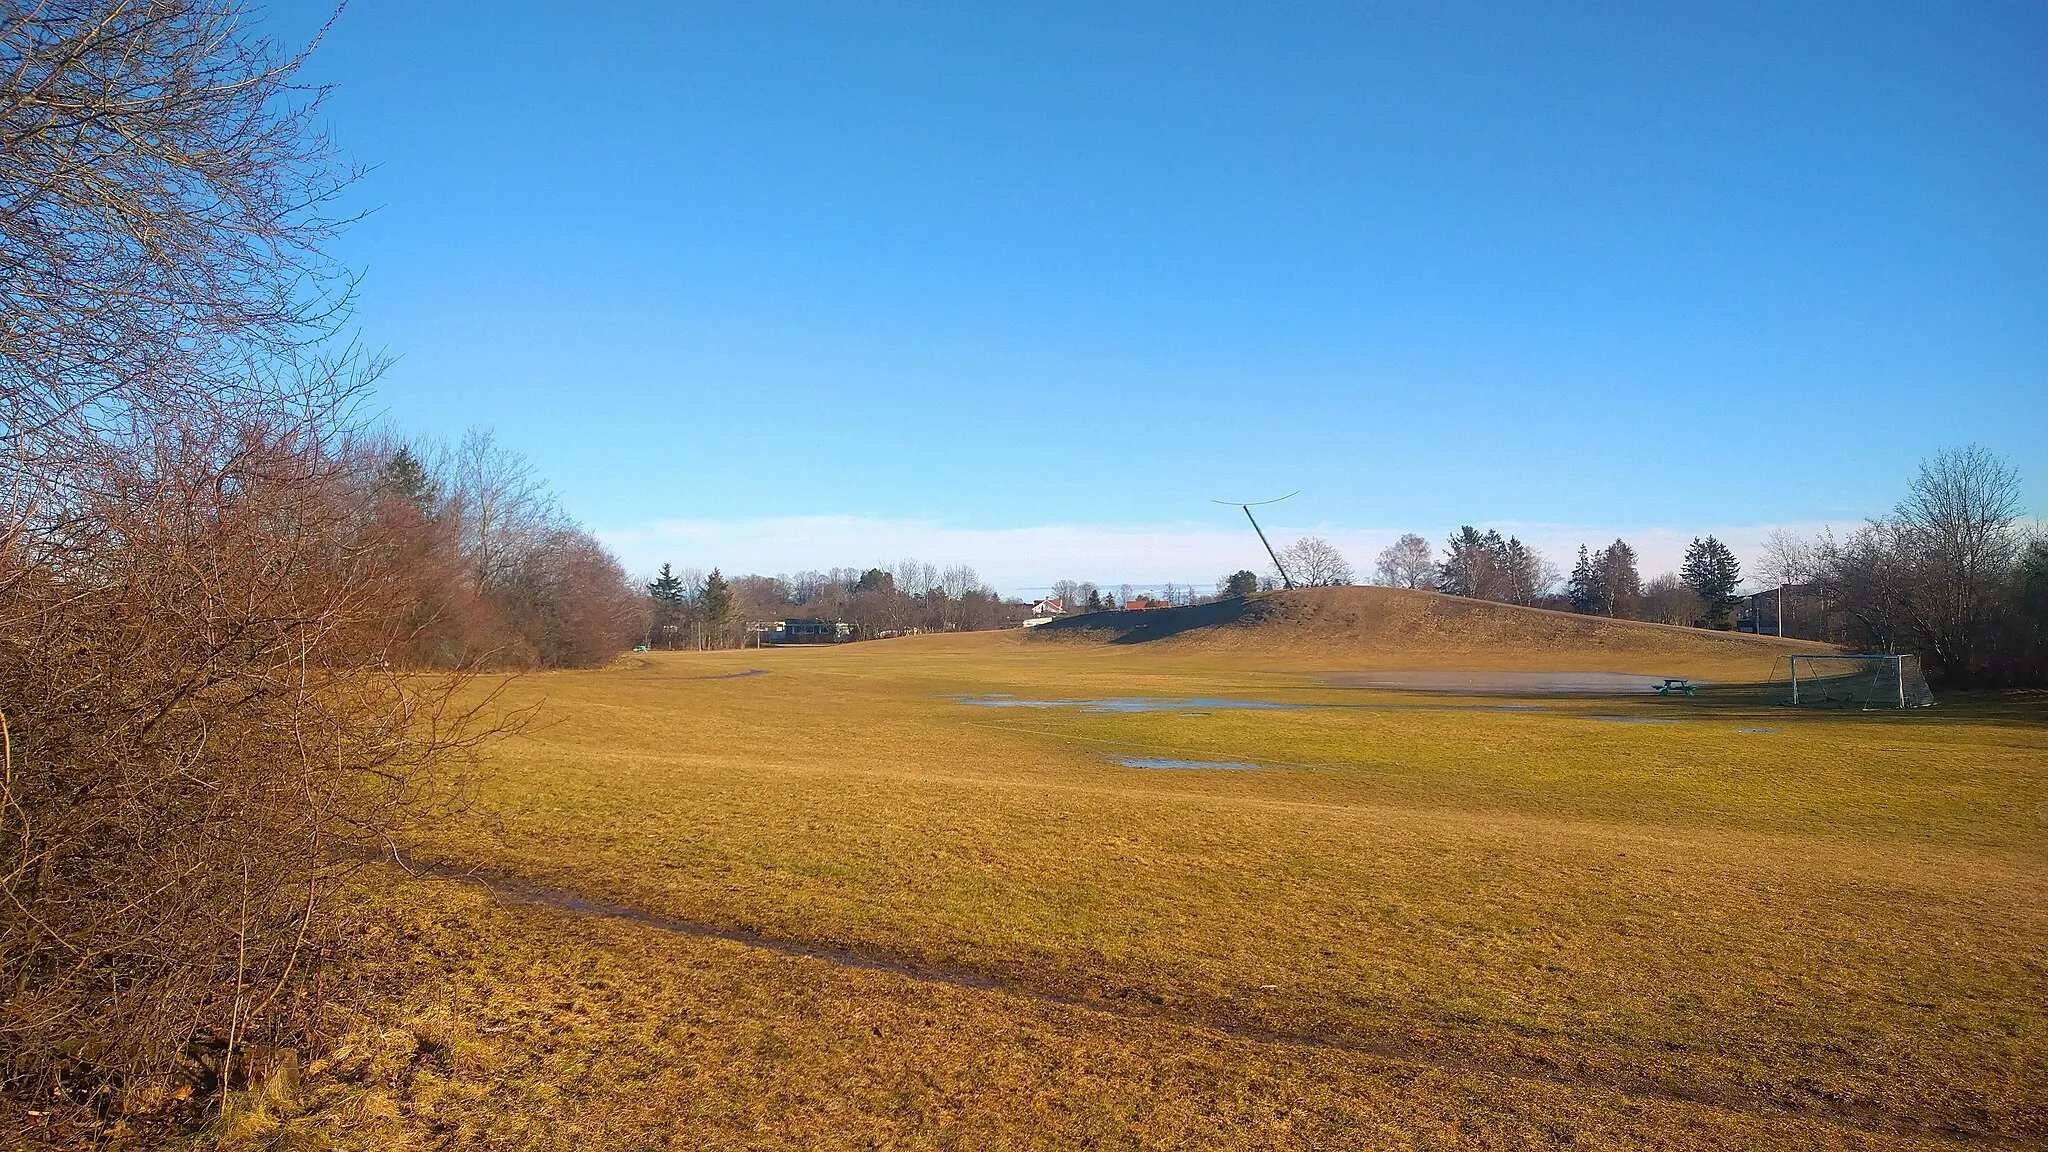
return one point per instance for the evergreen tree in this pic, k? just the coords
(1621, 586)
(1241, 583)
(668, 595)
(404, 477)
(1468, 565)
(1094, 600)
(1712, 572)
(715, 603)
(1587, 592)
(2033, 597)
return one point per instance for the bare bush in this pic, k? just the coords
(205, 716)
(207, 597)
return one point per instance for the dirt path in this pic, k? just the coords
(1140, 1004)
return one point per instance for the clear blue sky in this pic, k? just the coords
(983, 269)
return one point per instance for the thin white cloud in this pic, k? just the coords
(1029, 559)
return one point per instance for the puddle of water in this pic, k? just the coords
(735, 675)
(1760, 731)
(1631, 719)
(1211, 765)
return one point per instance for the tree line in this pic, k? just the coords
(695, 609)
(1951, 574)
(499, 575)
(1604, 581)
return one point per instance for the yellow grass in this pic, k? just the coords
(1411, 928)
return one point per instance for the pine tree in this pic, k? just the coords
(406, 478)
(715, 603)
(1587, 591)
(1712, 572)
(668, 594)
(1471, 563)
(1241, 583)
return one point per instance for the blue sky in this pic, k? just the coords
(773, 286)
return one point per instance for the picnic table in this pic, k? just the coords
(1676, 684)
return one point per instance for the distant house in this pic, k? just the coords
(808, 632)
(1804, 609)
(1045, 611)
(1146, 601)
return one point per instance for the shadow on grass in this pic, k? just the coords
(1139, 625)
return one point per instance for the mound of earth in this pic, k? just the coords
(1354, 628)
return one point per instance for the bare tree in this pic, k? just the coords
(915, 578)
(161, 187)
(1406, 563)
(1525, 574)
(1958, 518)
(1871, 579)
(1472, 565)
(1622, 585)
(1789, 558)
(958, 580)
(1667, 600)
(1314, 562)
(499, 504)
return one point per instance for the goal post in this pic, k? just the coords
(1860, 682)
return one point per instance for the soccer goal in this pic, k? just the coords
(1849, 682)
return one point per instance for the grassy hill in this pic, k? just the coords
(1398, 628)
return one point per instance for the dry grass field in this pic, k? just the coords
(835, 905)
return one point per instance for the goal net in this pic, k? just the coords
(1849, 682)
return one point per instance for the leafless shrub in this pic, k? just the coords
(207, 601)
(205, 716)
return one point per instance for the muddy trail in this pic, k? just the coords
(1145, 1005)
